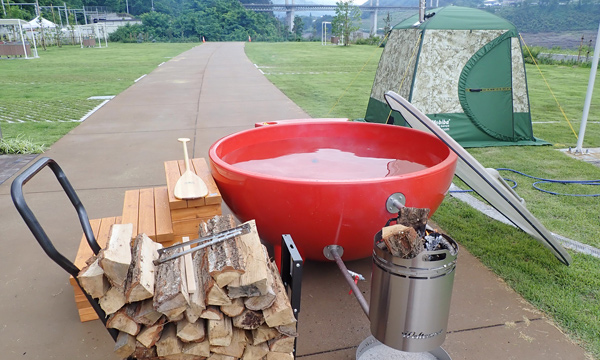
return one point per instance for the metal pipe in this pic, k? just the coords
(588, 96)
(422, 5)
(361, 299)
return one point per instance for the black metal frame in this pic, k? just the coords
(291, 274)
(291, 261)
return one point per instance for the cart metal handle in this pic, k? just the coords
(16, 192)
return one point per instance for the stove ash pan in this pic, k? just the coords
(410, 298)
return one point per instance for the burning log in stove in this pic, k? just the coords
(226, 302)
(409, 236)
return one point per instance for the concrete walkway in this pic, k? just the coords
(206, 93)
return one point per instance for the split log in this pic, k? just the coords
(254, 282)
(201, 349)
(92, 279)
(248, 320)
(264, 301)
(225, 260)
(176, 314)
(115, 258)
(279, 356)
(413, 217)
(220, 332)
(149, 335)
(197, 300)
(236, 347)
(191, 332)
(122, 320)
(255, 352)
(140, 276)
(213, 294)
(125, 345)
(220, 357)
(171, 297)
(217, 296)
(142, 352)
(288, 329)
(234, 309)
(190, 274)
(282, 344)
(219, 323)
(113, 300)
(263, 333)
(145, 313)
(280, 313)
(212, 313)
(178, 357)
(169, 344)
(401, 241)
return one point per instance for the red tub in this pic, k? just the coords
(327, 183)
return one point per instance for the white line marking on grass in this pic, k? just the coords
(161, 63)
(108, 97)
(140, 78)
(92, 111)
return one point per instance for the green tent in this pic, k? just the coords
(464, 68)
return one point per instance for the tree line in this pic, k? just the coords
(551, 16)
(210, 20)
(174, 20)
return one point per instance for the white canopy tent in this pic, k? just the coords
(37, 23)
(17, 45)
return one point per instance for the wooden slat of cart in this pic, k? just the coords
(101, 231)
(84, 251)
(87, 314)
(131, 205)
(201, 169)
(164, 225)
(146, 215)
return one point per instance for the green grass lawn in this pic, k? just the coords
(316, 76)
(42, 99)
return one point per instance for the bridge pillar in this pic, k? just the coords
(289, 15)
(374, 18)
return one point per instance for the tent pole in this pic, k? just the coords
(422, 4)
(588, 96)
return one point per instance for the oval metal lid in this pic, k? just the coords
(469, 170)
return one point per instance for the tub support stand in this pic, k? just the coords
(334, 252)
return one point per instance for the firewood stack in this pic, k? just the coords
(223, 302)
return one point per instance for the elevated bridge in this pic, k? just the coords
(290, 8)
